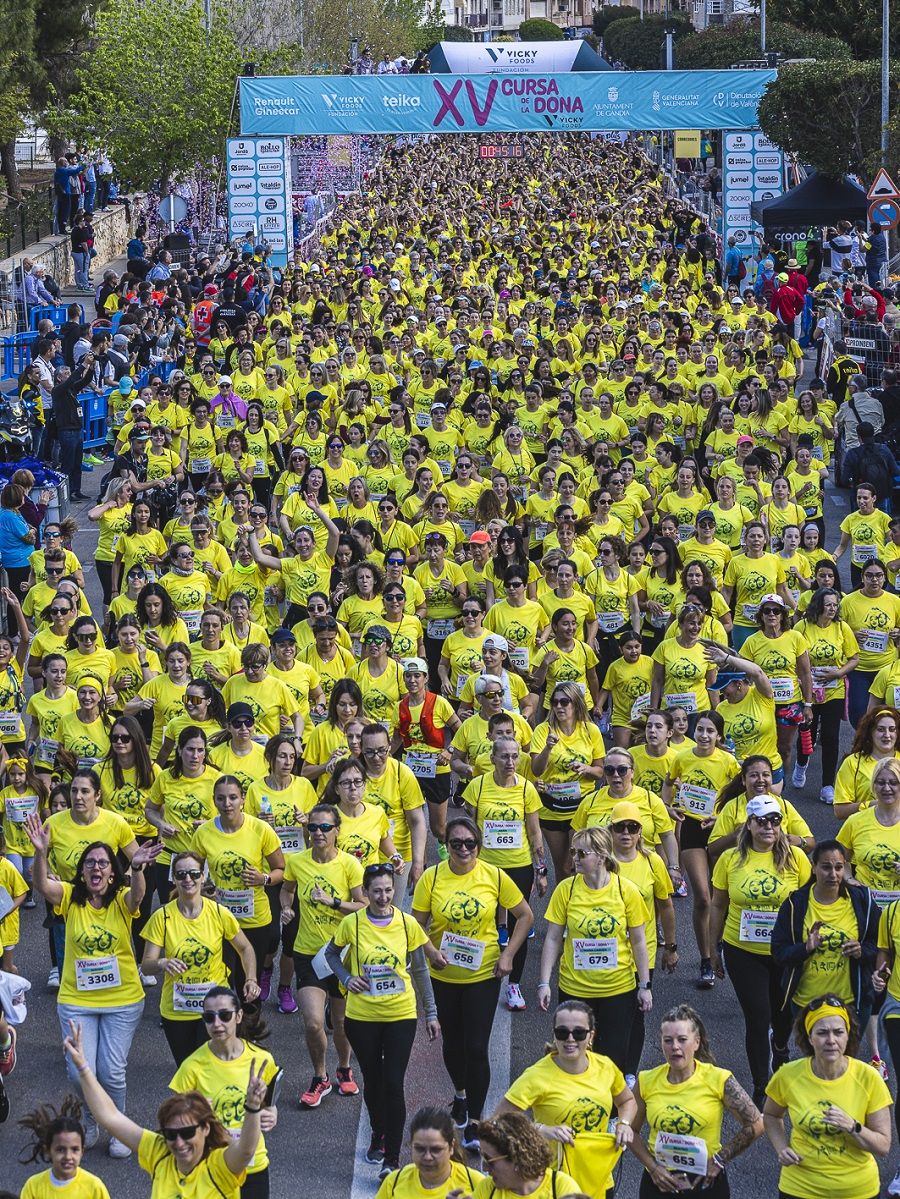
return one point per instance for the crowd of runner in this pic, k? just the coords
(474, 599)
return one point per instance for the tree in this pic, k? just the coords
(603, 17)
(717, 47)
(847, 139)
(157, 88)
(856, 22)
(638, 44)
(457, 33)
(537, 29)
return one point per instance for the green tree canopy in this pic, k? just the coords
(456, 33)
(638, 44)
(717, 47)
(856, 22)
(540, 30)
(829, 115)
(605, 16)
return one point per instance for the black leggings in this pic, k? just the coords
(757, 983)
(263, 942)
(433, 648)
(184, 1036)
(719, 1189)
(636, 1040)
(523, 877)
(826, 731)
(104, 574)
(257, 1185)
(466, 1014)
(614, 1017)
(892, 1032)
(382, 1049)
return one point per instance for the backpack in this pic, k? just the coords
(872, 468)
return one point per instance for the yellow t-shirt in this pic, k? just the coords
(684, 675)
(595, 810)
(756, 890)
(778, 657)
(698, 779)
(880, 615)
(831, 1162)
(286, 808)
(380, 953)
(752, 578)
(361, 835)
(868, 535)
(500, 813)
(827, 970)
(463, 917)
(14, 885)
(597, 959)
(382, 694)
(99, 970)
(750, 726)
(198, 943)
(270, 699)
(555, 1184)
(889, 940)
(734, 813)
(561, 789)
(185, 803)
(396, 791)
(649, 874)
(874, 850)
(692, 1108)
(83, 1186)
(129, 799)
(834, 645)
(227, 854)
(405, 1184)
(628, 684)
(210, 1179)
(69, 840)
(337, 878)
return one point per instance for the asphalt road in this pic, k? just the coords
(318, 1147)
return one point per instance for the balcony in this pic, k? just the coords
(476, 20)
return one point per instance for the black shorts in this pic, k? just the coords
(562, 826)
(307, 977)
(692, 834)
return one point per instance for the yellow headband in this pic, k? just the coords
(23, 762)
(822, 1012)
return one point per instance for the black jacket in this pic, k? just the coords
(789, 943)
(66, 410)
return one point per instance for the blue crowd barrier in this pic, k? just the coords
(55, 312)
(16, 354)
(94, 420)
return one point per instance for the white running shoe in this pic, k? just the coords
(515, 1000)
(53, 979)
(798, 778)
(826, 795)
(148, 980)
(894, 1184)
(117, 1148)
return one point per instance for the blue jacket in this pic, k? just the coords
(733, 259)
(14, 552)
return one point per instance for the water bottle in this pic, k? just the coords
(806, 741)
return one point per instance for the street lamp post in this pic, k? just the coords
(885, 76)
(762, 26)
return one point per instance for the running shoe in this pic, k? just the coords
(29, 901)
(287, 1004)
(894, 1185)
(346, 1082)
(826, 795)
(531, 933)
(91, 1134)
(148, 980)
(502, 936)
(318, 1089)
(459, 1111)
(631, 1081)
(265, 983)
(375, 1152)
(386, 1169)
(681, 890)
(4, 1106)
(53, 979)
(86, 466)
(8, 1056)
(798, 778)
(881, 1066)
(515, 1000)
(470, 1137)
(707, 975)
(95, 459)
(780, 1057)
(117, 1148)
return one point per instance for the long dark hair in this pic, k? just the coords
(188, 733)
(216, 708)
(44, 1122)
(738, 784)
(673, 560)
(143, 764)
(79, 888)
(169, 615)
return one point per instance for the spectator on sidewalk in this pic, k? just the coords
(63, 193)
(82, 238)
(860, 407)
(69, 419)
(34, 290)
(870, 462)
(787, 304)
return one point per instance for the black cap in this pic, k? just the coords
(239, 709)
(282, 635)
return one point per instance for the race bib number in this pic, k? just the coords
(191, 621)
(423, 765)
(595, 953)
(87, 763)
(874, 641)
(518, 656)
(188, 997)
(782, 690)
(756, 927)
(502, 834)
(641, 704)
(749, 612)
(541, 529)
(446, 467)
(864, 553)
(97, 974)
(440, 630)
(239, 903)
(291, 839)
(883, 898)
(699, 801)
(383, 980)
(681, 699)
(610, 622)
(10, 724)
(468, 527)
(20, 806)
(461, 680)
(563, 797)
(260, 468)
(689, 1155)
(224, 420)
(201, 466)
(661, 620)
(423, 420)
(46, 750)
(465, 952)
(685, 531)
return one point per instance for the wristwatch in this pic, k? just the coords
(857, 1127)
(136, 869)
(647, 986)
(336, 903)
(673, 948)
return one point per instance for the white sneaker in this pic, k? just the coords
(149, 980)
(798, 778)
(826, 795)
(630, 1081)
(91, 1135)
(894, 1184)
(117, 1148)
(515, 1000)
(53, 979)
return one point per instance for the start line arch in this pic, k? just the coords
(279, 106)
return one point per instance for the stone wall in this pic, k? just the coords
(112, 232)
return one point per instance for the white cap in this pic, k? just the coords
(414, 666)
(764, 805)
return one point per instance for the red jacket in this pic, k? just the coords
(787, 303)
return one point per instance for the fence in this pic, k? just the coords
(27, 221)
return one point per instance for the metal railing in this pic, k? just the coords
(26, 221)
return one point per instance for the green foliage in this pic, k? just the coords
(539, 30)
(792, 109)
(456, 33)
(148, 90)
(856, 22)
(638, 44)
(717, 47)
(604, 17)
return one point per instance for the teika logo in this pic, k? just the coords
(449, 105)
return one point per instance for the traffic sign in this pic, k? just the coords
(883, 187)
(886, 212)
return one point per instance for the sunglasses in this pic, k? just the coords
(459, 843)
(774, 820)
(626, 826)
(561, 701)
(120, 738)
(374, 641)
(319, 828)
(226, 1015)
(187, 1133)
(616, 771)
(242, 722)
(60, 611)
(85, 636)
(471, 612)
(577, 1034)
(54, 570)
(181, 875)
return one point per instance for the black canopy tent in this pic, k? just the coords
(815, 202)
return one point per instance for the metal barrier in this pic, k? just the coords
(54, 312)
(16, 352)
